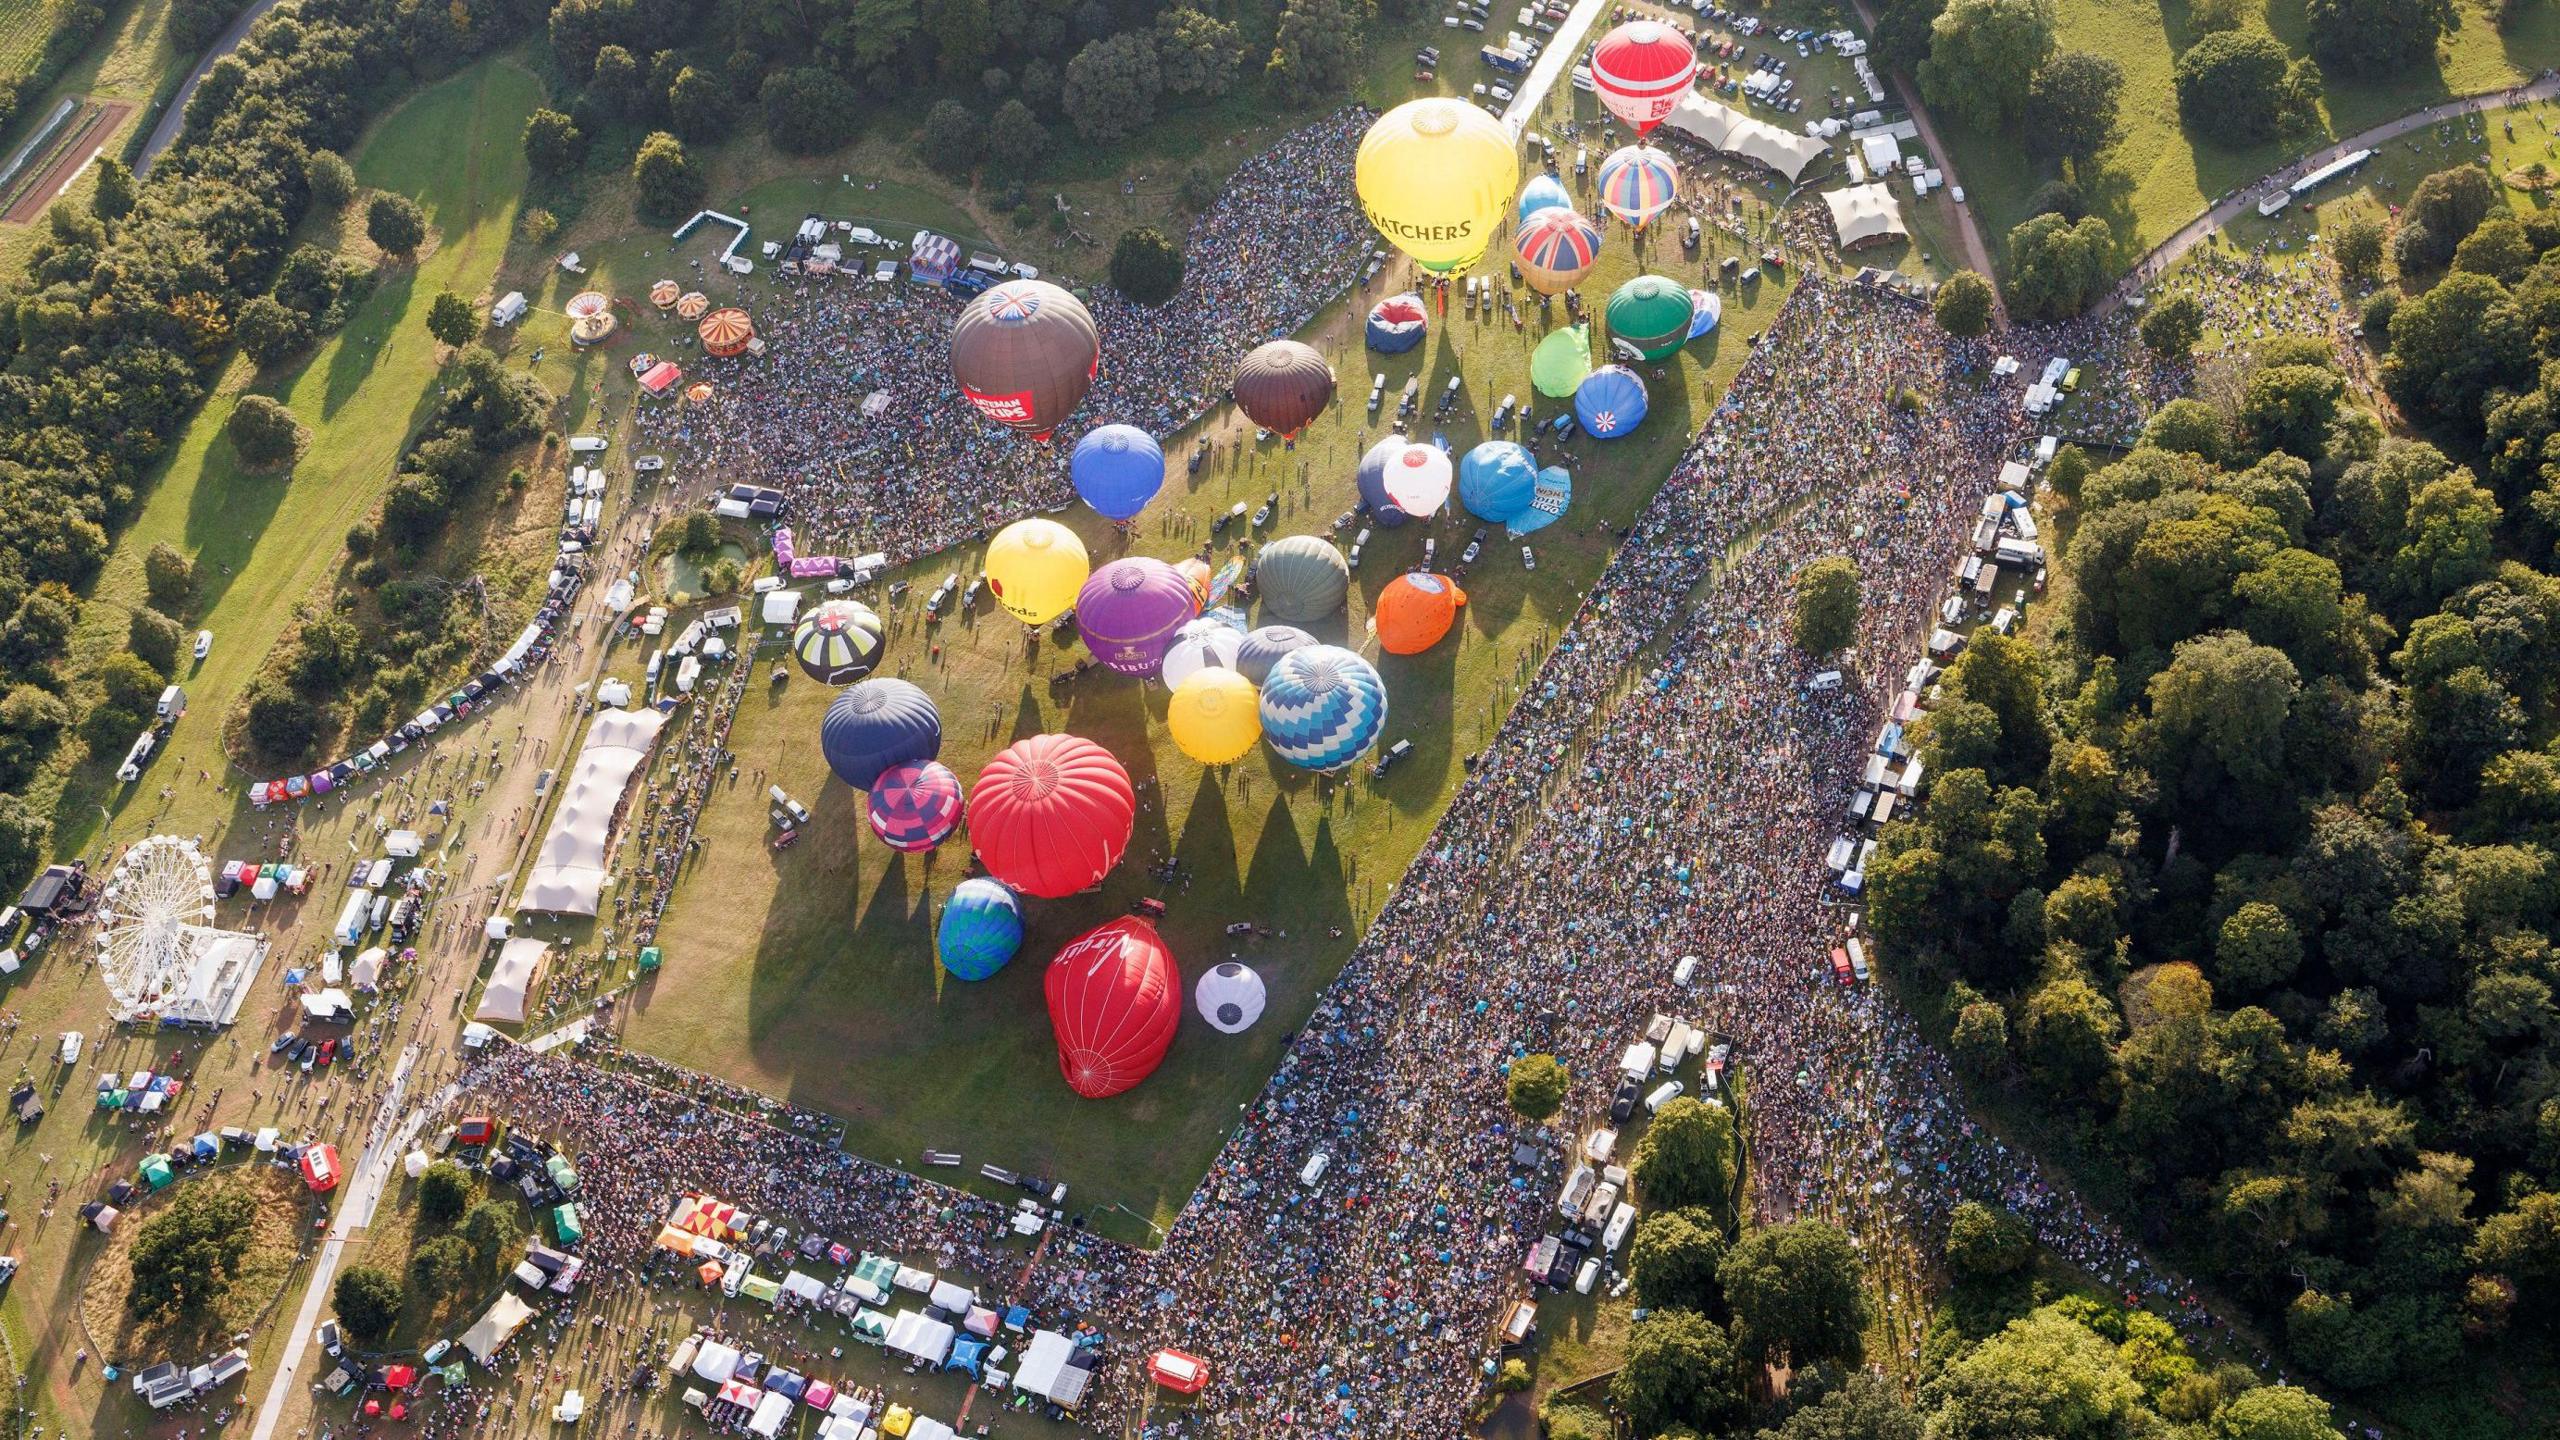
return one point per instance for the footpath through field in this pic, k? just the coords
(1553, 61)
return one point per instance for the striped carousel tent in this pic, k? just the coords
(693, 305)
(664, 293)
(592, 329)
(727, 331)
(588, 302)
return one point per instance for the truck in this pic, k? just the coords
(1509, 62)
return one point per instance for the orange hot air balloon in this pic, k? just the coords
(1415, 610)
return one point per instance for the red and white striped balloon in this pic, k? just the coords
(1642, 69)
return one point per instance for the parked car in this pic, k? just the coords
(204, 643)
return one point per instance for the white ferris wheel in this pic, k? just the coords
(155, 934)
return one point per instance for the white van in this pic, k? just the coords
(1684, 970)
(1313, 1171)
(1621, 1220)
(173, 703)
(1857, 958)
(586, 444)
(1586, 1277)
(1676, 1048)
(351, 917)
(1663, 1094)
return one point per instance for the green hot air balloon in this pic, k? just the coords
(1561, 362)
(1303, 578)
(1650, 315)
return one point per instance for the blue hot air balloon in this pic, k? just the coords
(1495, 480)
(1117, 470)
(1546, 503)
(1397, 324)
(1706, 307)
(876, 724)
(1323, 707)
(1611, 403)
(1540, 193)
(981, 928)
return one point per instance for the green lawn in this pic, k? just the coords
(2391, 174)
(2157, 177)
(130, 60)
(264, 543)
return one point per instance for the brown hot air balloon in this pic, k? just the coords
(1283, 385)
(1025, 353)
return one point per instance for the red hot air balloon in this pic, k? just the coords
(1115, 996)
(1283, 385)
(1025, 353)
(1642, 69)
(1052, 814)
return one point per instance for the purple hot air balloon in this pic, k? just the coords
(915, 806)
(1128, 612)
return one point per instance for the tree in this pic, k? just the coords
(2289, 407)
(264, 432)
(1981, 1037)
(2239, 87)
(699, 105)
(444, 1192)
(1983, 1243)
(1198, 53)
(185, 1256)
(2453, 345)
(2057, 267)
(2045, 1376)
(2066, 1031)
(2450, 203)
(1797, 1295)
(1963, 305)
(1575, 1422)
(2355, 243)
(2368, 38)
(1111, 87)
(30, 719)
(1984, 55)
(169, 577)
(1868, 1407)
(1827, 603)
(2187, 426)
(268, 331)
(155, 638)
(2496, 248)
(25, 832)
(2071, 105)
(616, 83)
(1674, 1256)
(2451, 532)
(1317, 47)
(2257, 948)
(114, 198)
(951, 140)
(491, 1229)
(368, 1298)
(1679, 1370)
(1146, 266)
(395, 224)
(2172, 328)
(808, 110)
(2274, 1412)
(2219, 713)
(553, 144)
(1686, 1156)
(1536, 1086)
(2523, 1243)
(695, 536)
(282, 723)
(452, 320)
(440, 1267)
(668, 183)
(1017, 143)
(332, 179)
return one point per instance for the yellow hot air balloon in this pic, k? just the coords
(1035, 568)
(1215, 715)
(1436, 177)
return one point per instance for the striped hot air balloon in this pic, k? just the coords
(915, 806)
(1323, 707)
(1643, 69)
(1556, 249)
(1638, 182)
(839, 642)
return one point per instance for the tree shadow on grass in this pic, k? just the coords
(361, 340)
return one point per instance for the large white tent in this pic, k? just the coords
(919, 1337)
(511, 982)
(569, 871)
(1864, 214)
(493, 1329)
(1726, 130)
(1044, 1370)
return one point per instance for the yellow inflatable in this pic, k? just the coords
(1436, 178)
(1035, 568)
(1215, 715)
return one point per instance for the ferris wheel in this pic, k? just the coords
(152, 920)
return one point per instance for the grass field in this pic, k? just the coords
(2504, 140)
(24, 24)
(129, 61)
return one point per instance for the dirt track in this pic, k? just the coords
(110, 115)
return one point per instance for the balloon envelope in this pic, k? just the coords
(1610, 403)
(1215, 716)
(1495, 479)
(1025, 353)
(1117, 469)
(1651, 315)
(1706, 307)
(1546, 503)
(876, 724)
(1201, 645)
(1543, 192)
(1638, 182)
(1322, 707)
(915, 806)
(981, 929)
(1561, 361)
(1643, 70)
(1397, 324)
(1415, 611)
(1436, 178)
(1115, 997)
(1263, 648)
(1230, 997)
(1034, 567)
(1400, 480)
(838, 642)
(1556, 248)
(1283, 385)
(1052, 814)
(1129, 611)
(1302, 578)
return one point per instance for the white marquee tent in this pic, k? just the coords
(1864, 214)
(1722, 128)
(919, 1337)
(1044, 1370)
(568, 873)
(511, 982)
(493, 1329)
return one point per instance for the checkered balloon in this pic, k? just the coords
(915, 806)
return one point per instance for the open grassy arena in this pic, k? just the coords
(2504, 141)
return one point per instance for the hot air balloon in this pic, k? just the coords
(1263, 648)
(1128, 611)
(915, 806)
(1546, 503)
(1117, 469)
(1301, 578)
(1052, 814)
(1650, 315)
(1230, 997)
(1643, 70)
(1034, 567)
(876, 724)
(1025, 353)
(1561, 361)
(1283, 385)
(1201, 645)
(1196, 573)
(1611, 403)
(1401, 480)
(1495, 479)
(1115, 997)
(1323, 707)
(838, 642)
(1638, 182)
(1705, 308)
(1556, 248)
(1542, 192)
(981, 928)
(1436, 177)
(1397, 324)
(1215, 716)
(1415, 610)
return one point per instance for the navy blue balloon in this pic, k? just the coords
(877, 724)
(1117, 470)
(1372, 479)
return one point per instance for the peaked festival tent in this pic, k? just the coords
(493, 1329)
(569, 871)
(1864, 215)
(511, 982)
(1731, 132)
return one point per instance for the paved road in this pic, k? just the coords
(174, 119)
(2245, 199)
(1977, 256)
(1562, 48)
